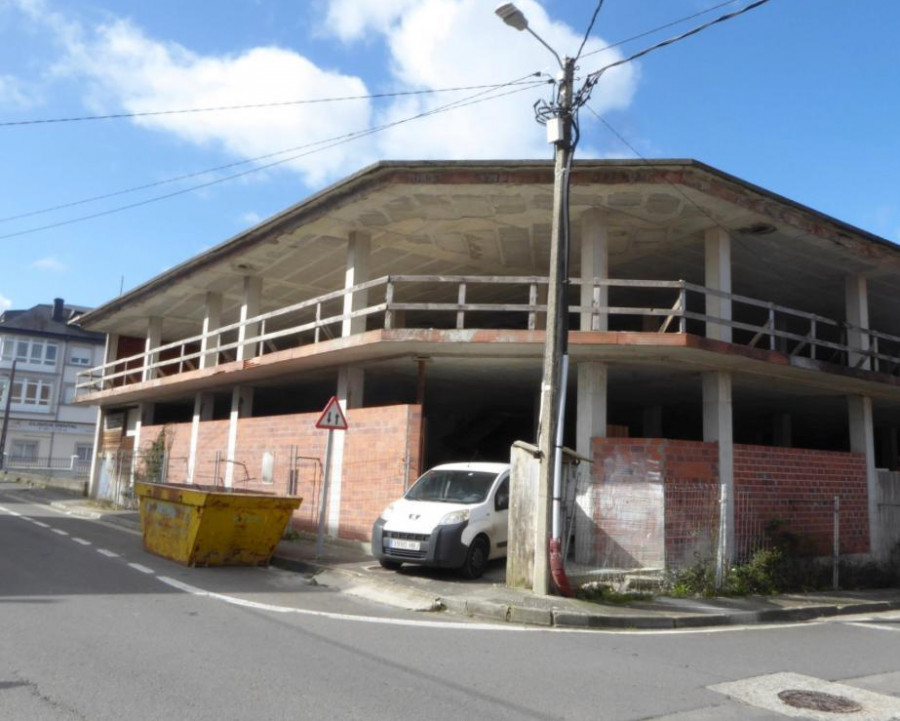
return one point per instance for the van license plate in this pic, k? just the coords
(403, 545)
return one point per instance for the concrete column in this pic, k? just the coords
(241, 407)
(590, 423)
(718, 277)
(110, 351)
(212, 321)
(782, 431)
(594, 264)
(153, 340)
(890, 449)
(247, 347)
(349, 394)
(856, 295)
(203, 411)
(717, 427)
(96, 460)
(358, 250)
(862, 440)
(590, 406)
(652, 422)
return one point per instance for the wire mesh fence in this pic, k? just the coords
(659, 526)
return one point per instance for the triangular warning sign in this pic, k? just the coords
(332, 417)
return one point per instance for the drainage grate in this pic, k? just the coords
(819, 701)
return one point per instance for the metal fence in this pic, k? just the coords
(70, 466)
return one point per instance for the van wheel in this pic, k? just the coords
(476, 558)
(390, 565)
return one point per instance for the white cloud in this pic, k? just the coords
(13, 93)
(250, 218)
(431, 44)
(49, 264)
(357, 19)
(130, 71)
(5, 303)
(444, 43)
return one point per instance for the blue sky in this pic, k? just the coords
(799, 96)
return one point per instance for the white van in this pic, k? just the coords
(454, 516)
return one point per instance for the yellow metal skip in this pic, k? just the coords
(211, 527)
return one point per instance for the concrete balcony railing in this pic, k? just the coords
(510, 303)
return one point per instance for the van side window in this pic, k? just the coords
(501, 498)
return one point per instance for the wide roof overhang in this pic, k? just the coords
(494, 217)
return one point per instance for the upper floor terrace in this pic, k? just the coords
(672, 260)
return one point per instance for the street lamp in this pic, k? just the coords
(556, 361)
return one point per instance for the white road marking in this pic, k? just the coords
(503, 627)
(39, 523)
(763, 692)
(60, 531)
(108, 554)
(142, 569)
(877, 626)
(82, 541)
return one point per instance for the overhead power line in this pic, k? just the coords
(590, 27)
(673, 23)
(227, 166)
(324, 145)
(248, 106)
(671, 41)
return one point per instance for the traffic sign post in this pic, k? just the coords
(332, 419)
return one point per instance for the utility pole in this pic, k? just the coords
(559, 120)
(9, 390)
(559, 132)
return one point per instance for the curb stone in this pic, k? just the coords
(531, 616)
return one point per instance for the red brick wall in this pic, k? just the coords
(374, 463)
(381, 456)
(795, 486)
(178, 443)
(798, 486)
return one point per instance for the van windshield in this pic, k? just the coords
(452, 486)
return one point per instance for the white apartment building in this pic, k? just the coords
(40, 355)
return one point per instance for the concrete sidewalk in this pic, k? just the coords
(349, 568)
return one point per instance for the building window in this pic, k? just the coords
(34, 352)
(23, 451)
(84, 451)
(79, 356)
(30, 392)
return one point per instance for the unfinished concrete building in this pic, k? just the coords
(721, 337)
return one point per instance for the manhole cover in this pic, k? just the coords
(818, 701)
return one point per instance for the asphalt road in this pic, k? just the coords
(92, 628)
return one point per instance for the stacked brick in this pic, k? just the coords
(790, 488)
(279, 454)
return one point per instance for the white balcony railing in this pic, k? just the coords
(458, 302)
